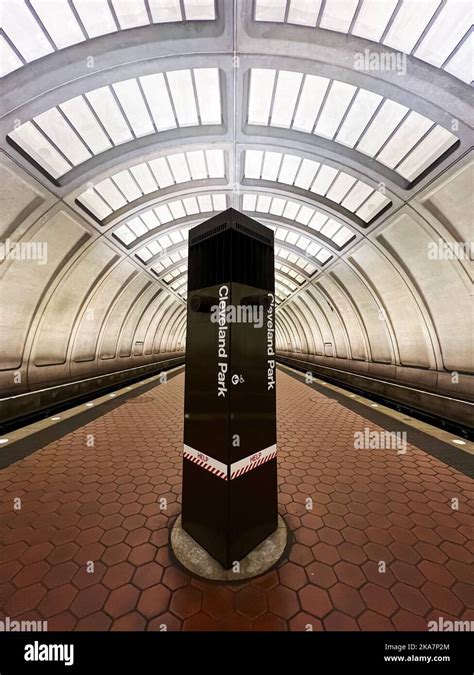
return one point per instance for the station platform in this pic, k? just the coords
(376, 541)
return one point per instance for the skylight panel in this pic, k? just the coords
(263, 203)
(271, 164)
(80, 116)
(125, 235)
(288, 169)
(199, 10)
(142, 174)
(9, 61)
(306, 174)
(24, 31)
(215, 163)
(179, 167)
(286, 94)
(260, 96)
(338, 14)
(249, 202)
(182, 93)
(208, 95)
(40, 150)
(325, 177)
(373, 18)
(277, 206)
(342, 236)
(291, 209)
(304, 12)
(313, 248)
(292, 237)
(449, 27)
(109, 114)
(433, 146)
(205, 203)
(144, 254)
(154, 247)
(163, 213)
(58, 130)
(127, 185)
(165, 11)
(389, 115)
(323, 256)
(60, 22)
(336, 104)
(191, 205)
(461, 63)
(304, 215)
(281, 233)
(177, 209)
(161, 171)
(165, 242)
(130, 14)
(330, 228)
(359, 115)
(108, 191)
(340, 187)
(150, 220)
(409, 23)
(308, 267)
(96, 16)
(176, 237)
(134, 107)
(220, 202)
(92, 201)
(408, 134)
(197, 164)
(270, 10)
(356, 196)
(312, 95)
(253, 163)
(137, 226)
(317, 221)
(375, 203)
(159, 102)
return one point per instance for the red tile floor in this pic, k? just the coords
(100, 502)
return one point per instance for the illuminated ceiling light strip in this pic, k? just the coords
(87, 126)
(373, 18)
(130, 14)
(432, 30)
(60, 22)
(451, 24)
(40, 150)
(134, 107)
(89, 12)
(304, 12)
(208, 95)
(55, 127)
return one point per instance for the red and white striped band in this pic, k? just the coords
(236, 469)
(205, 462)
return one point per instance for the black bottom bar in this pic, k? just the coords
(143, 653)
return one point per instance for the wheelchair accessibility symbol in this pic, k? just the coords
(237, 379)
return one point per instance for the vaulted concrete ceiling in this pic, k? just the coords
(140, 119)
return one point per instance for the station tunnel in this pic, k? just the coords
(346, 128)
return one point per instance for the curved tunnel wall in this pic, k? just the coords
(378, 305)
(73, 305)
(399, 305)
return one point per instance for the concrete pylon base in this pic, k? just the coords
(198, 561)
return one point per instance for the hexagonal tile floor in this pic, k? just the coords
(376, 545)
